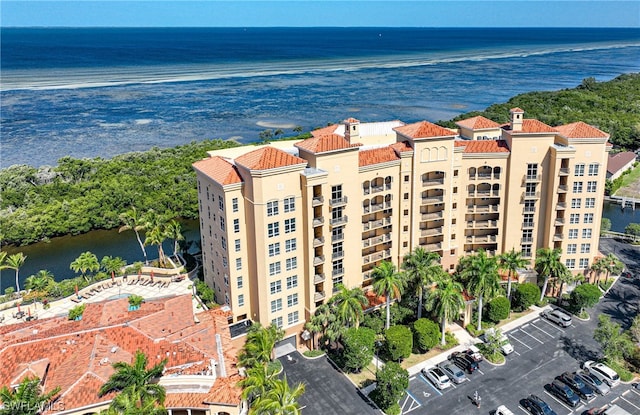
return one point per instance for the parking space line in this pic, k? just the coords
(629, 402)
(534, 338)
(558, 400)
(533, 325)
(524, 344)
(481, 371)
(524, 410)
(548, 323)
(425, 380)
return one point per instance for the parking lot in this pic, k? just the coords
(542, 351)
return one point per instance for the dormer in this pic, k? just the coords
(517, 116)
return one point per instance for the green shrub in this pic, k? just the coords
(426, 334)
(392, 380)
(374, 321)
(624, 373)
(400, 315)
(275, 366)
(471, 328)
(525, 295)
(358, 350)
(584, 296)
(313, 353)
(399, 342)
(498, 309)
(393, 409)
(450, 341)
(135, 300)
(76, 312)
(606, 284)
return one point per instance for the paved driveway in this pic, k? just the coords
(327, 390)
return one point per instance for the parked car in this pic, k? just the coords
(608, 410)
(626, 274)
(602, 372)
(475, 354)
(594, 382)
(505, 346)
(574, 381)
(464, 361)
(502, 410)
(563, 392)
(537, 406)
(557, 316)
(437, 377)
(453, 372)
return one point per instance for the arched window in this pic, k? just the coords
(442, 153)
(425, 155)
(496, 172)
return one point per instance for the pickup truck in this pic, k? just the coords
(505, 346)
(503, 410)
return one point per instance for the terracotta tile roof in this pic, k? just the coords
(351, 120)
(218, 169)
(324, 143)
(377, 156)
(580, 130)
(401, 147)
(424, 129)
(516, 109)
(227, 391)
(533, 126)
(477, 123)
(619, 160)
(185, 400)
(268, 158)
(328, 130)
(37, 369)
(483, 146)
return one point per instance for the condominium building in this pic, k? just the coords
(283, 224)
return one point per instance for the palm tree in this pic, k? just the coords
(26, 399)
(40, 281)
(565, 277)
(113, 265)
(348, 304)
(137, 379)
(129, 402)
(321, 322)
(481, 274)
(156, 233)
(132, 220)
(445, 300)
(611, 265)
(15, 262)
(280, 399)
(597, 268)
(548, 264)
(85, 262)
(258, 381)
(422, 268)
(388, 282)
(258, 348)
(511, 261)
(174, 231)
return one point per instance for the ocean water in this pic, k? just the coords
(102, 92)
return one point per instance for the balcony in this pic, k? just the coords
(318, 221)
(318, 278)
(561, 206)
(433, 182)
(337, 255)
(338, 221)
(527, 240)
(531, 178)
(483, 208)
(482, 224)
(318, 241)
(430, 200)
(563, 188)
(531, 195)
(337, 272)
(339, 201)
(377, 189)
(317, 201)
(482, 239)
(374, 224)
(318, 296)
(376, 256)
(317, 260)
(559, 222)
(558, 237)
(564, 171)
(337, 237)
(433, 215)
(527, 225)
(367, 275)
(433, 247)
(431, 231)
(529, 209)
(376, 240)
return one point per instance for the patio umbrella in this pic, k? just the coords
(18, 307)
(112, 278)
(29, 311)
(76, 290)
(151, 275)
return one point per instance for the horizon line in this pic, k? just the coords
(322, 27)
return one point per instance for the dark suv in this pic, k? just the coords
(464, 361)
(537, 406)
(579, 387)
(562, 391)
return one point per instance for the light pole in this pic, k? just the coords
(377, 346)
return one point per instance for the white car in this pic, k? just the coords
(505, 345)
(602, 372)
(503, 410)
(437, 377)
(558, 317)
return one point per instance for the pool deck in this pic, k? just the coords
(119, 289)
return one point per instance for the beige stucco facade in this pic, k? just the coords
(359, 193)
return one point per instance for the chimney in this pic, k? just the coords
(517, 115)
(352, 130)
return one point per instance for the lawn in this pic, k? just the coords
(514, 316)
(630, 184)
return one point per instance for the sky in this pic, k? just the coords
(309, 13)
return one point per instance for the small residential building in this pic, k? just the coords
(618, 163)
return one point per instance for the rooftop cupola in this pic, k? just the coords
(352, 130)
(517, 115)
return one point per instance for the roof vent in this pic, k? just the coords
(114, 349)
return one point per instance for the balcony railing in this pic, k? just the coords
(479, 224)
(529, 209)
(531, 195)
(559, 221)
(564, 171)
(318, 296)
(561, 206)
(318, 241)
(367, 226)
(433, 182)
(431, 231)
(376, 256)
(337, 237)
(433, 247)
(375, 240)
(367, 275)
(318, 221)
(428, 200)
(532, 178)
(337, 272)
(337, 255)
(338, 201)
(563, 188)
(317, 260)
(527, 225)
(527, 240)
(433, 215)
(318, 278)
(479, 239)
(483, 208)
(317, 201)
(338, 221)
(558, 237)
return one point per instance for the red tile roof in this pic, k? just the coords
(218, 169)
(619, 160)
(580, 130)
(325, 143)
(377, 156)
(401, 147)
(483, 146)
(516, 109)
(268, 158)
(478, 123)
(351, 120)
(533, 126)
(328, 130)
(424, 129)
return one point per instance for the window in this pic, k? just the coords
(572, 248)
(234, 204)
(577, 187)
(590, 202)
(336, 281)
(405, 212)
(532, 170)
(338, 267)
(276, 305)
(291, 263)
(527, 236)
(570, 263)
(289, 225)
(292, 318)
(588, 218)
(579, 170)
(336, 214)
(289, 204)
(237, 244)
(530, 189)
(529, 206)
(585, 248)
(272, 208)
(573, 234)
(576, 203)
(292, 300)
(275, 287)
(526, 251)
(592, 186)
(238, 264)
(574, 218)
(239, 282)
(528, 220)
(222, 224)
(336, 192)
(226, 280)
(455, 173)
(406, 178)
(273, 229)
(584, 263)
(225, 263)
(274, 249)
(593, 169)
(277, 322)
(290, 245)
(241, 300)
(586, 233)
(220, 203)
(274, 268)
(236, 225)
(292, 282)
(223, 242)
(405, 196)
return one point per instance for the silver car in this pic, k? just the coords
(437, 377)
(453, 372)
(558, 317)
(595, 383)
